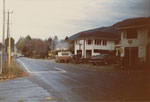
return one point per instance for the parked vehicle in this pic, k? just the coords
(19, 55)
(63, 57)
(102, 59)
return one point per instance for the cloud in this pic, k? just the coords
(44, 18)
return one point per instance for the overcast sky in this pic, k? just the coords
(45, 18)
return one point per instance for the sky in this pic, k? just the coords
(47, 18)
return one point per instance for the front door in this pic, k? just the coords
(88, 53)
(79, 53)
(131, 55)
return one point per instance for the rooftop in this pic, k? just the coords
(112, 32)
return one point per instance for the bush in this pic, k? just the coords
(12, 72)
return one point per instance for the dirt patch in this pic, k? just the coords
(12, 72)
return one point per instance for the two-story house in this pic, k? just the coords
(135, 43)
(95, 43)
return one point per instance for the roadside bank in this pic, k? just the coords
(14, 71)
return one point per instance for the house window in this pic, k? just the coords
(104, 42)
(97, 42)
(89, 42)
(131, 33)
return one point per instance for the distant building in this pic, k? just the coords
(130, 39)
(87, 45)
(135, 43)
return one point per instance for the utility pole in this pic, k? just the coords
(9, 40)
(3, 24)
(3, 38)
(8, 27)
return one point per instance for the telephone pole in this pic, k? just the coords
(9, 40)
(3, 24)
(3, 38)
(8, 24)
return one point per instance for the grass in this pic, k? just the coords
(12, 72)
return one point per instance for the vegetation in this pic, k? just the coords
(33, 47)
(0, 46)
(12, 72)
(37, 48)
(7, 43)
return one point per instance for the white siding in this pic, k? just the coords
(110, 46)
(139, 41)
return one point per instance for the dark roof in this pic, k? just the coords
(133, 27)
(112, 31)
(133, 22)
(97, 35)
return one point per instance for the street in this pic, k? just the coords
(69, 83)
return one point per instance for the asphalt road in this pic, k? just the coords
(53, 82)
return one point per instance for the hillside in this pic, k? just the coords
(113, 29)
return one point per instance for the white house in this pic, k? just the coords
(87, 45)
(135, 43)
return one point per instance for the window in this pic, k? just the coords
(104, 42)
(97, 42)
(89, 42)
(131, 33)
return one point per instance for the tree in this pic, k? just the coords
(54, 43)
(33, 47)
(28, 38)
(66, 39)
(40, 48)
(55, 38)
(12, 44)
(21, 44)
(0, 46)
(49, 43)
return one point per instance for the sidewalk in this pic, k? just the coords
(21, 90)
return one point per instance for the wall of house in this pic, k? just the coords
(110, 46)
(140, 42)
(80, 46)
